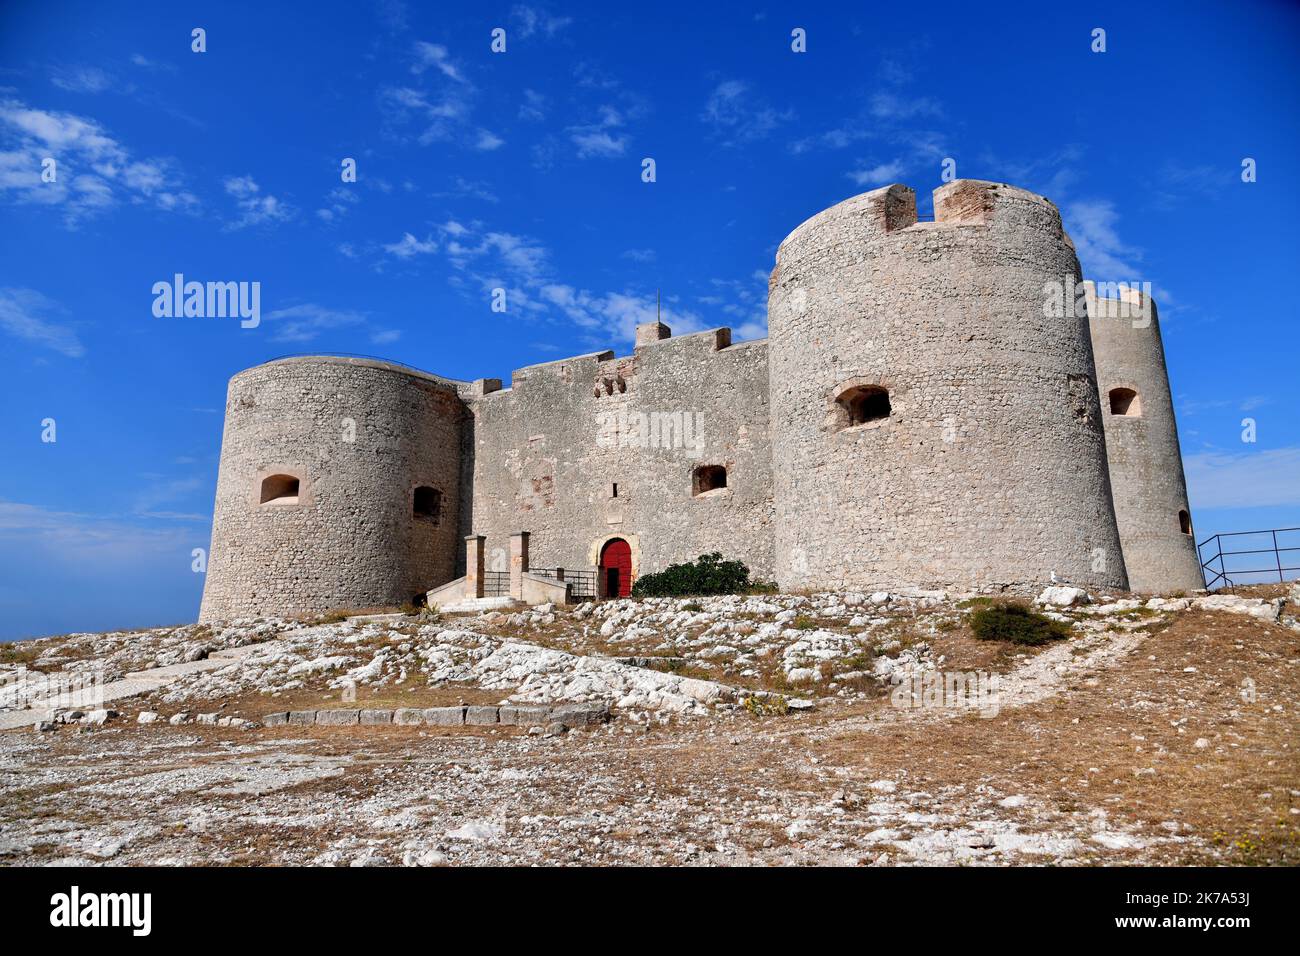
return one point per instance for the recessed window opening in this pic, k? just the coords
(1125, 401)
(280, 489)
(613, 490)
(709, 478)
(1184, 522)
(427, 503)
(865, 403)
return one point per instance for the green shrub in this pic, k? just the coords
(709, 574)
(1017, 623)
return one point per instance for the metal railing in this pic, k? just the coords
(1228, 574)
(581, 584)
(496, 583)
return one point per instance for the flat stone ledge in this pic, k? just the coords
(510, 715)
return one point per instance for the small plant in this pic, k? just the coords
(804, 623)
(1017, 623)
(774, 705)
(695, 607)
(709, 574)
(763, 587)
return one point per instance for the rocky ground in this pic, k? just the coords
(775, 729)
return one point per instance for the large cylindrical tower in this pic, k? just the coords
(339, 487)
(1146, 466)
(934, 422)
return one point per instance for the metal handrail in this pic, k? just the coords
(1214, 576)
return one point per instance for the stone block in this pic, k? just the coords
(445, 716)
(408, 716)
(277, 719)
(373, 718)
(525, 715)
(337, 718)
(482, 716)
(580, 715)
(301, 717)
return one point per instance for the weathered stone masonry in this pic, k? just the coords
(914, 418)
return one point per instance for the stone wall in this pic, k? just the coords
(351, 539)
(987, 468)
(546, 454)
(1146, 466)
(990, 469)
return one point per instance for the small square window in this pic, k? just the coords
(427, 503)
(708, 478)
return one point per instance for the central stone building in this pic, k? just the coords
(919, 415)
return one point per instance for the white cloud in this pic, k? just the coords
(435, 55)
(598, 143)
(82, 79)
(408, 247)
(737, 116)
(893, 106)
(302, 323)
(92, 168)
(594, 139)
(338, 199)
(530, 20)
(1248, 479)
(1102, 254)
(615, 315)
(488, 141)
(23, 315)
(880, 175)
(255, 208)
(533, 107)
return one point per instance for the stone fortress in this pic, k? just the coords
(937, 404)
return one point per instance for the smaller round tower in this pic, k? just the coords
(339, 487)
(1146, 467)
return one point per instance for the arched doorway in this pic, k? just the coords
(616, 569)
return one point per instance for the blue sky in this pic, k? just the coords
(523, 170)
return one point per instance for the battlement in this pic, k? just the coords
(891, 210)
(605, 372)
(1120, 300)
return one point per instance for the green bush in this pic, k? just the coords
(1017, 623)
(709, 574)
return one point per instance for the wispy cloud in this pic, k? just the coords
(1247, 479)
(435, 55)
(408, 247)
(595, 138)
(528, 21)
(256, 208)
(92, 168)
(737, 116)
(338, 201)
(24, 316)
(1104, 256)
(302, 323)
(83, 79)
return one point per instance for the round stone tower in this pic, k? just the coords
(1146, 467)
(339, 487)
(932, 422)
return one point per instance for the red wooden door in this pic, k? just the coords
(616, 568)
